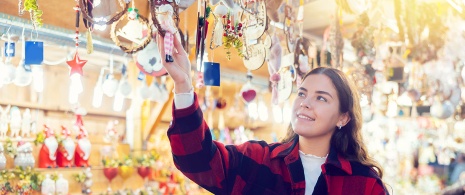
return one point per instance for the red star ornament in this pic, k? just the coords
(76, 65)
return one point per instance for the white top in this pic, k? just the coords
(312, 170)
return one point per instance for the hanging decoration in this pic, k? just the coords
(137, 30)
(248, 92)
(232, 35)
(87, 13)
(149, 60)
(165, 17)
(218, 32)
(155, 8)
(255, 51)
(33, 9)
(203, 12)
(76, 65)
(274, 64)
(336, 42)
(291, 27)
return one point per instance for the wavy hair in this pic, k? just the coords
(348, 141)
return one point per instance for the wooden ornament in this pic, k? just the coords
(132, 49)
(88, 17)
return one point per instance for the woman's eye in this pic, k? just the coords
(321, 98)
(300, 94)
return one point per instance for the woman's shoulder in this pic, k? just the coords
(363, 170)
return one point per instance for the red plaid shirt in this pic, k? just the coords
(256, 167)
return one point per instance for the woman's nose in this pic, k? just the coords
(305, 104)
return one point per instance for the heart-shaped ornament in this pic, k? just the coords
(110, 172)
(249, 95)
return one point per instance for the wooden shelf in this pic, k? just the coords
(90, 111)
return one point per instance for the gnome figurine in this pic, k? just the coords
(65, 152)
(165, 17)
(47, 154)
(83, 149)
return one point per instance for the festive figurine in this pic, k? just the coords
(62, 185)
(165, 17)
(26, 123)
(15, 121)
(65, 152)
(4, 120)
(24, 158)
(47, 154)
(48, 185)
(2, 158)
(83, 149)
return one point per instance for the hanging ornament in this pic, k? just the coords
(336, 42)
(248, 93)
(274, 64)
(149, 60)
(218, 31)
(87, 14)
(137, 30)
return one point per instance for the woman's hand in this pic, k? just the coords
(180, 69)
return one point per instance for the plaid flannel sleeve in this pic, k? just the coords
(201, 159)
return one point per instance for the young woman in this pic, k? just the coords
(323, 152)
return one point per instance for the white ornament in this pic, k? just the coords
(26, 123)
(62, 185)
(15, 121)
(4, 120)
(48, 186)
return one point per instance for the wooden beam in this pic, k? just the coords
(157, 112)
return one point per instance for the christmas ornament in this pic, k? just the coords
(48, 186)
(165, 17)
(248, 93)
(66, 148)
(62, 185)
(4, 120)
(26, 123)
(137, 30)
(274, 64)
(76, 65)
(83, 149)
(47, 153)
(15, 121)
(149, 60)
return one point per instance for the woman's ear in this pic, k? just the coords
(344, 118)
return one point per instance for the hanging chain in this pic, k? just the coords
(77, 9)
(20, 7)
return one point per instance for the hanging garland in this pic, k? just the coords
(87, 16)
(136, 48)
(36, 14)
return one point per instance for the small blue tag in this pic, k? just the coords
(34, 52)
(9, 49)
(211, 73)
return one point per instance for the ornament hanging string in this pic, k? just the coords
(77, 9)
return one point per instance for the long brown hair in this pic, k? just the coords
(347, 141)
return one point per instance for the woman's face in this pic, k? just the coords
(316, 108)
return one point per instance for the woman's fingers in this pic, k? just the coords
(177, 45)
